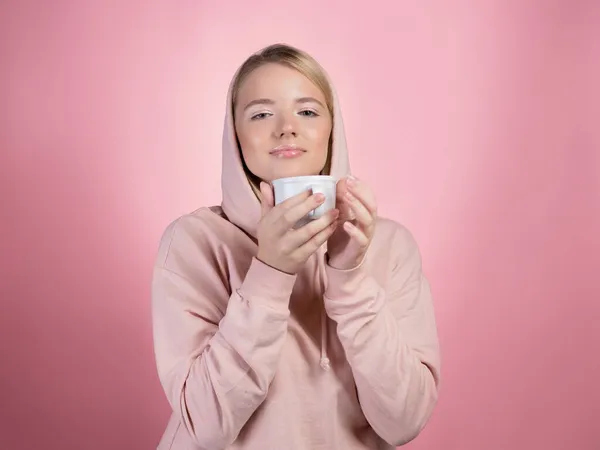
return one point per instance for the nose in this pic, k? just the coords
(286, 126)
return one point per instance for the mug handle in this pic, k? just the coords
(319, 210)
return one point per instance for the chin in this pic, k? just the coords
(294, 172)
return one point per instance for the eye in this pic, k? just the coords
(308, 113)
(259, 116)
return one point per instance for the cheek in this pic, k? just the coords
(251, 139)
(320, 135)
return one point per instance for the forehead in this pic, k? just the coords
(276, 81)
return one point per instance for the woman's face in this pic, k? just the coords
(282, 123)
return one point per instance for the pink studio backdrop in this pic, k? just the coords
(475, 122)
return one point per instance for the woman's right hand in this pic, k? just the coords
(279, 244)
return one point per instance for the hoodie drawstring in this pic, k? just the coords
(324, 362)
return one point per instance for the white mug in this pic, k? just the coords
(285, 188)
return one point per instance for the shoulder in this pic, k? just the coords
(396, 239)
(190, 271)
(191, 236)
(388, 228)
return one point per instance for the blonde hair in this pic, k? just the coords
(293, 58)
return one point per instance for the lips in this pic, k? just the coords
(287, 151)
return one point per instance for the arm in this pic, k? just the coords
(215, 366)
(390, 340)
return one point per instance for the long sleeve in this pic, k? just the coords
(390, 339)
(215, 366)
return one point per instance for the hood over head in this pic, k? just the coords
(239, 202)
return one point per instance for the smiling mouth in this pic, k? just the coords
(287, 151)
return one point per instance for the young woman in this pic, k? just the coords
(272, 337)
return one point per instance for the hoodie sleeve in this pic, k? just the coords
(215, 366)
(390, 339)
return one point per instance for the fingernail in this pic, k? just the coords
(319, 197)
(352, 179)
(349, 196)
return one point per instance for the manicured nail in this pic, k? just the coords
(352, 179)
(319, 197)
(349, 196)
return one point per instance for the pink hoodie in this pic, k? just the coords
(253, 358)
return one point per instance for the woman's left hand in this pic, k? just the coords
(349, 243)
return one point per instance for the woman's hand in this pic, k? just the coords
(279, 244)
(349, 243)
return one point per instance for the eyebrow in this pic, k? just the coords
(268, 101)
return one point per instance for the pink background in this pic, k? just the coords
(475, 121)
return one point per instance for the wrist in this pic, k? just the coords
(344, 286)
(273, 266)
(267, 285)
(344, 264)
